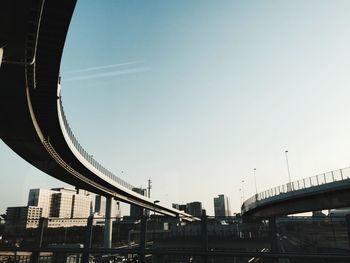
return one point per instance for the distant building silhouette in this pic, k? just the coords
(180, 207)
(222, 206)
(193, 208)
(137, 211)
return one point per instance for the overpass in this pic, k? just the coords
(33, 122)
(320, 192)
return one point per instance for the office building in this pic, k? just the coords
(41, 198)
(222, 206)
(194, 208)
(63, 207)
(22, 217)
(180, 207)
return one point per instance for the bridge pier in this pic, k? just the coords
(107, 238)
(273, 236)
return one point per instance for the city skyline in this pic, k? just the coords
(197, 108)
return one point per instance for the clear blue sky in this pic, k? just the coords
(195, 94)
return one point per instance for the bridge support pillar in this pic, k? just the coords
(107, 239)
(273, 235)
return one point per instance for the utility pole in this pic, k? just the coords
(149, 187)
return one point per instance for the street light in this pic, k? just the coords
(256, 187)
(290, 181)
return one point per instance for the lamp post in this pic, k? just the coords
(290, 181)
(256, 187)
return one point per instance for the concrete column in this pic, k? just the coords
(107, 240)
(273, 234)
(273, 237)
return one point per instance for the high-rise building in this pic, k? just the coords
(41, 198)
(100, 207)
(194, 208)
(74, 206)
(22, 217)
(222, 206)
(62, 204)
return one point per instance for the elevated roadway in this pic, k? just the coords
(324, 191)
(33, 123)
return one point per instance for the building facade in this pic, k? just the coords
(63, 207)
(41, 198)
(222, 206)
(20, 218)
(194, 208)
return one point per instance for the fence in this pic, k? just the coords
(313, 181)
(165, 239)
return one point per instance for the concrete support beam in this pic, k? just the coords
(107, 240)
(273, 236)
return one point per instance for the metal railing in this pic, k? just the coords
(88, 157)
(213, 239)
(309, 182)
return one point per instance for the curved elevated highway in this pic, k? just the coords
(33, 123)
(320, 192)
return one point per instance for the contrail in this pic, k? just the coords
(104, 67)
(109, 74)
